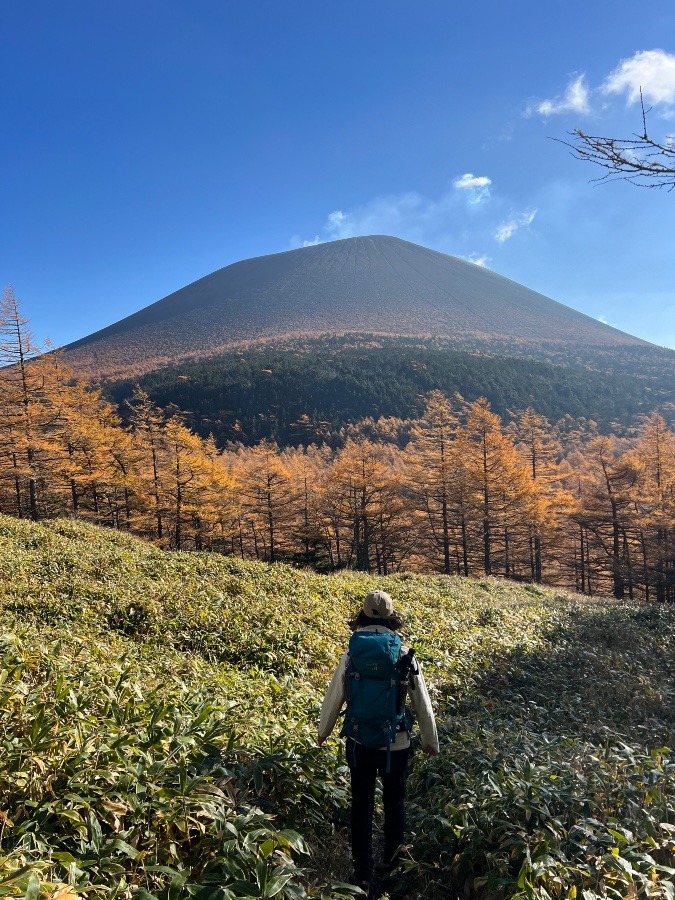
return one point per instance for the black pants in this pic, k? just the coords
(364, 766)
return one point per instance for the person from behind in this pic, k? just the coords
(374, 678)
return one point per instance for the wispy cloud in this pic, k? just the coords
(478, 259)
(653, 71)
(386, 215)
(477, 187)
(464, 216)
(337, 220)
(507, 229)
(575, 99)
(605, 321)
(410, 215)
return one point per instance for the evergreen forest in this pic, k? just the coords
(305, 392)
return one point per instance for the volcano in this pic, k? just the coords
(377, 285)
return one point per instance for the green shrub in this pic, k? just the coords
(157, 738)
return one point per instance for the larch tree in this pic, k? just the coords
(269, 500)
(503, 490)
(653, 459)
(92, 444)
(538, 444)
(307, 469)
(147, 424)
(605, 510)
(362, 501)
(391, 533)
(190, 482)
(26, 411)
(432, 469)
(576, 557)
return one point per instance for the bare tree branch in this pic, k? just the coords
(639, 159)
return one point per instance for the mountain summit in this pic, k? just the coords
(374, 285)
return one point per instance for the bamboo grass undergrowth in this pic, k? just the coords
(158, 715)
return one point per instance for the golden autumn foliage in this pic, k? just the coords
(455, 491)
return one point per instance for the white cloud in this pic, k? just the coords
(336, 219)
(386, 215)
(419, 218)
(602, 319)
(297, 241)
(575, 99)
(507, 132)
(478, 260)
(507, 229)
(651, 70)
(453, 221)
(476, 186)
(470, 180)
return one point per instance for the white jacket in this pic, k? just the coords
(418, 694)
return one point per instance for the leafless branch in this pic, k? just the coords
(638, 159)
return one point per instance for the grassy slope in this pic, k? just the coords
(158, 714)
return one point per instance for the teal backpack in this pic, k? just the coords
(375, 688)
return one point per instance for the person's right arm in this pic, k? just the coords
(332, 702)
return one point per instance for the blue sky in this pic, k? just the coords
(146, 144)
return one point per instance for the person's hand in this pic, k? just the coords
(430, 751)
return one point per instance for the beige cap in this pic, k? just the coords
(378, 605)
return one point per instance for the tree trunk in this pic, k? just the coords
(618, 585)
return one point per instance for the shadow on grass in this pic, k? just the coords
(553, 765)
(599, 668)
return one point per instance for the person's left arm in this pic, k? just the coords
(419, 696)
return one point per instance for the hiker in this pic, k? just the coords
(378, 737)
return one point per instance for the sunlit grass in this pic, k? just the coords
(158, 713)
